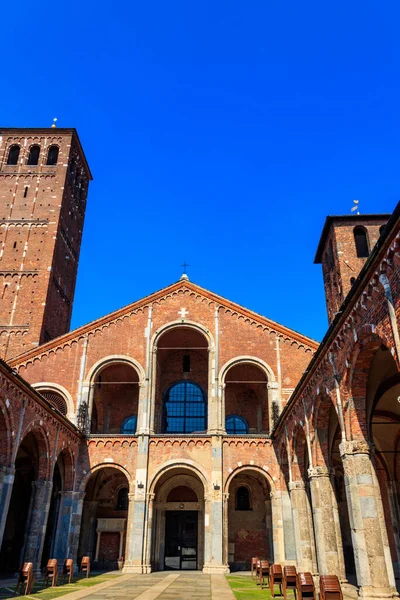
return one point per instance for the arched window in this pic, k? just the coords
(129, 425)
(13, 155)
(56, 400)
(236, 425)
(382, 229)
(352, 280)
(243, 498)
(33, 157)
(122, 501)
(52, 155)
(185, 409)
(361, 241)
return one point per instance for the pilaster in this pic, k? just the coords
(303, 531)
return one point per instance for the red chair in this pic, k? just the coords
(25, 578)
(51, 572)
(275, 578)
(254, 562)
(305, 586)
(289, 580)
(85, 565)
(68, 570)
(263, 572)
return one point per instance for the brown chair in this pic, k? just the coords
(289, 580)
(25, 578)
(329, 588)
(263, 572)
(305, 586)
(275, 578)
(85, 565)
(68, 570)
(254, 562)
(51, 572)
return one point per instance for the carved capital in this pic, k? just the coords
(297, 485)
(355, 447)
(320, 471)
(273, 385)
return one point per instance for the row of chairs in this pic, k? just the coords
(25, 579)
(287, 578)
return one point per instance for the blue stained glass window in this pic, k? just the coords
(236, 425)
(129, 425)
(185, 408)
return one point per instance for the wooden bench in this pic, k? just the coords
(305, 586)
(329, 587)
(51, 572)
(25, 578)
(68, 570)
(85, 565)
(275, 578)
(289, 580)
(254, 562)
(263, 571)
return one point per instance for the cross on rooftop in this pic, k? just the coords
(185, 265)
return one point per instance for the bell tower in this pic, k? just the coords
(44, 179)
(345, 245)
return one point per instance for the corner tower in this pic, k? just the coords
(44, 179)
(345, 245)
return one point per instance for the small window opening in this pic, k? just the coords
(52, 155)
(361, 241)
(13, 155)
(25, 191)
(382, 229)
(122, 501)
(33, 157)
(352, 280)
(129, 425)
(243, 498)
(15, 245)
(186, 363)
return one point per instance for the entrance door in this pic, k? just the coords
(181, 540)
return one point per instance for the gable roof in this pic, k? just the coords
(146, 301)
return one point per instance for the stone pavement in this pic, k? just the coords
(191, 585)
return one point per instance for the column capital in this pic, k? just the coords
(319, 471)
(297, 485)
(150, 496)
(355, 447)
(273, 385)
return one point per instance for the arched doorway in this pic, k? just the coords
(181, 375)
(178, 521)
(104, 518)
(249, 519)
(246, 400)
(115, 400)
(26, 472)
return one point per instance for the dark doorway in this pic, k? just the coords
(181, 540)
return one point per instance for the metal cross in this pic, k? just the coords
(185, 265)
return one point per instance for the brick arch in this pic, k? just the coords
(107, 361)
(320, 423)
(177, 325)
(48, 386)
(183, 464)
(69, 468)
(283, 461)
(246, 359)
(5, 434)
(298, 448)
(108, 465)
(355, 415)
(43, 446)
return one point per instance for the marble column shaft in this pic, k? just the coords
(302, 520)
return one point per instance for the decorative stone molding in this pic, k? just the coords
(319, 471)
(273, 385)
(297, 485)
(355, 447)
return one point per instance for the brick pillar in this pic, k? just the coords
(7, 475)
(303, 531)
(374, 567)
(36, 531)
(326, 523)
(75, 525)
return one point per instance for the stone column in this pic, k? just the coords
(129, 532)
(63, 527)
(303, 532)
(225, 531)
(149, 534)
(326, 523)
(36, 530)
(374, 567)
(86, 539)
(75, 525)
(278, 544)
(288, 529)
(7, 475)
(393, 496)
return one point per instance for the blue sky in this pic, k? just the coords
(219, 132)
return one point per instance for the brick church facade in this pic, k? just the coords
(184, 431)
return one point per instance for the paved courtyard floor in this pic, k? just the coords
(160, 586)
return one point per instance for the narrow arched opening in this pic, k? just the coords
(246, 400)
(33, 156)
(104, 518)
(13, 154)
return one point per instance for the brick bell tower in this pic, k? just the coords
(44, 179)
(345, 245)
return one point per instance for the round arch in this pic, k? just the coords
(69, 472)
(183, 463)
(6, 428)
(253, 468)
(104, 465)
(43, 445)
(59, 389)
(179, 324)
(106, 361)
(246, 359)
